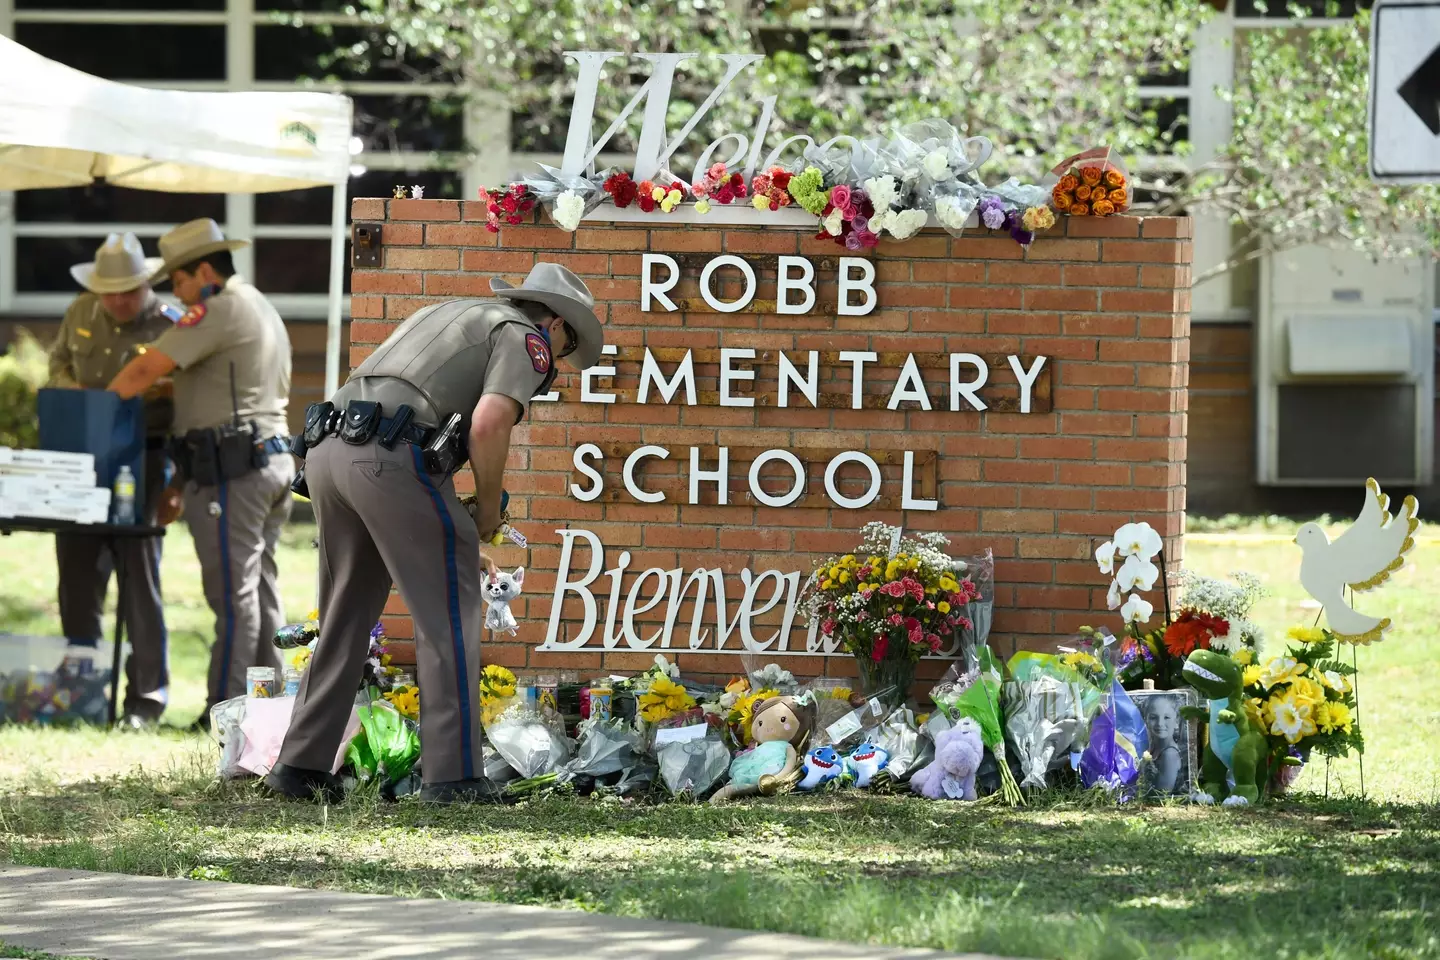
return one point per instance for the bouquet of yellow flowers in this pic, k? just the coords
(406, 700)
(1090, 184)
(1304, 700)
(658, 693)
(497, 686)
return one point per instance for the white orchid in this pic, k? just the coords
(1105, 557)
(1138, 540)
(1137, 609)
(1113, 598)
(1137, 573)
(569, 208)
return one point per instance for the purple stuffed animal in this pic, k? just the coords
(958, 752)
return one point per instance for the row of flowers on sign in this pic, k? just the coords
(858, 192)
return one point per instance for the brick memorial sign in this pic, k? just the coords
(762, 397)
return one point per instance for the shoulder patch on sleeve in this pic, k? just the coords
(171, 312)
(192, 316)
(539, 351)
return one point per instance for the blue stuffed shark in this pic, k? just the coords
(822, 765)
(865, 761)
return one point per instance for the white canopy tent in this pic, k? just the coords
(60, 127)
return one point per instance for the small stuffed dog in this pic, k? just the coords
(497, 593)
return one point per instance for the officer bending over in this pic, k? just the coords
(378, 466)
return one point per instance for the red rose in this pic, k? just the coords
(725, 194)
(774, 204)
(647, 203)
(509, 204)
(629, 191)
(782, 179)
(877, 652)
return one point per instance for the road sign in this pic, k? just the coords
(1405, 91)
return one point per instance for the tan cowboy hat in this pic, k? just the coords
(120, 266)
(566, 294)
(191, 241)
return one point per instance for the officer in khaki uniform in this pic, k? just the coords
(387, 512)
(103, 329)
(230, 355)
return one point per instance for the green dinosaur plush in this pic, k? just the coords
(1236, 746)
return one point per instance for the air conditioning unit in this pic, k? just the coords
(1344, 369)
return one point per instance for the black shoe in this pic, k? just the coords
(133, 722)
(201, 724)
(294, 783)
(479, 790)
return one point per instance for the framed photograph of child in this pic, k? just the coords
(1174, 749)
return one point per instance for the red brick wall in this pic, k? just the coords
(1106, 301)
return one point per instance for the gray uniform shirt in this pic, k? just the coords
(238, 327)
(447, 356)
(92, 347)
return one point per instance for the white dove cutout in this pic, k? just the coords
(1362, 558)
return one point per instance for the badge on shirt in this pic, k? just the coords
(172, 313)
(539, 351)
(192, 316)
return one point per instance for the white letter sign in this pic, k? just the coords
(649, 288)
(865, 283)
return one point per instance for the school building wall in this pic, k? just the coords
(1105, 300)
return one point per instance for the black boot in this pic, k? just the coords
(479, 790)
(295, 783)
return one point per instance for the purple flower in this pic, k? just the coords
(860, 223)
(992, 213)
(852, 241)
(377, 632)
(1021, 235)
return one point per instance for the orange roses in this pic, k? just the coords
(1097, 190)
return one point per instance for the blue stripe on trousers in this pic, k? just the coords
(227, 646)
(452, 593)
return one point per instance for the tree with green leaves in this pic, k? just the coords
(1040, 78)
(1295, 172)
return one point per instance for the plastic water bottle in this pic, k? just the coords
(125, 497)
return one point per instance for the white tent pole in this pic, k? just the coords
(337, 281)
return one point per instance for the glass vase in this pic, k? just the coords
(889, 679)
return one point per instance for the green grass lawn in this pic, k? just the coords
(1308, 876)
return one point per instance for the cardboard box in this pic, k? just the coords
(47, 458)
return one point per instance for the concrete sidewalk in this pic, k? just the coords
(118, 917)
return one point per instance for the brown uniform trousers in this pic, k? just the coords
(381, 516)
